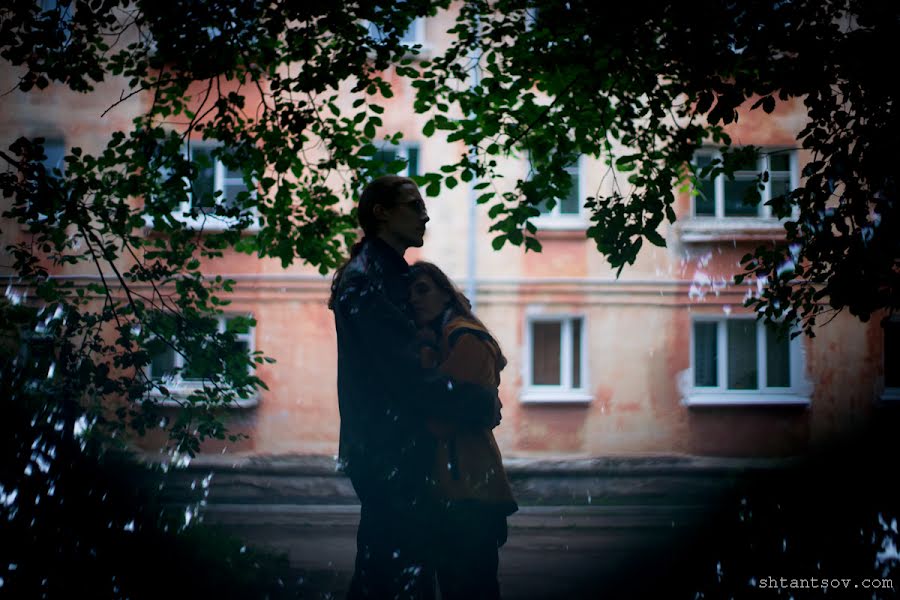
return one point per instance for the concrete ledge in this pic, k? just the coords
(528, 517)
(647, 464)
(314, 480)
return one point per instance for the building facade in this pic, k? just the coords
(661, 360)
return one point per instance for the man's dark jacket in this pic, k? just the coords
(383, 392)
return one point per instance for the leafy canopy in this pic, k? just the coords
(646, 84)
(268, 83)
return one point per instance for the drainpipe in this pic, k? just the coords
(472, 249)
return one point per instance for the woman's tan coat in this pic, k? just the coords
(468, 465)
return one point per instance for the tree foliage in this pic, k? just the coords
(646, 84)
(642, 85)
(79, 518)
(122, 210)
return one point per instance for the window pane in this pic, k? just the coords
(734, 198)
(239, 325)
(892, 354)
(412, 161)
(569, 204)
(375, 32)
(778, 360)
(576, 353)
(386, 155)
(229, 197)
(55, 151)
(781, 184)
(706, 355)
(203, 186)
(233, 173)
(383, 158)
(239, 350)
(705, 200)
(162, 364)
(779, 162)
(201, 366)
(748, 164)
(742, 371)
(409, 36)
(546, 353)
(544, 207)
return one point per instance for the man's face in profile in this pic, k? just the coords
(406, 219)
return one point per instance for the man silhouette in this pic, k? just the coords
(385, 397)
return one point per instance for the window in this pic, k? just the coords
(51, 5)
(723, 197)
(414, 34)
(168, 367)
(565, 212)
(740, 360)
(555, 363)
(212, 177)
(387, 159)
(61, 11)
(891, 360)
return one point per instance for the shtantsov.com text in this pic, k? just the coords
(824, 583)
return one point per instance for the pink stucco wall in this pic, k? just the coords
(637, 326)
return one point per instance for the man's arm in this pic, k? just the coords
(388, 339)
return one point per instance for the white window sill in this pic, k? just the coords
(214, 223)
(716, 229)
(890, 395)
(745, 398)
(182, 390)
(425, 52)
(552, 223)
(554, 397)
(211, 223)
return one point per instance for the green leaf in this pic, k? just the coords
(654, 238)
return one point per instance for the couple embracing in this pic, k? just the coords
(417, 386)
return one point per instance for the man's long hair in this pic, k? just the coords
(380, 191)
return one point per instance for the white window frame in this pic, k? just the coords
(555, 219)
(417, 26)
(797, 393)
(403, 152)
(764, 211)
(210, 221)
(565, 392)
(182, 388)
(888, 394)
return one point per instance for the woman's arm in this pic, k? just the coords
(471, 359)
